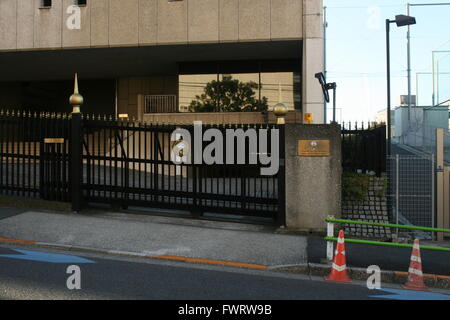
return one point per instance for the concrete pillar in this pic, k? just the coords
(313, 58)
(140, 107)
(313, 183)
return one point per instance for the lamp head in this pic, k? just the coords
(402, 20)
(320, 76)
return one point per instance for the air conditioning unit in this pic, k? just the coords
(404, 100)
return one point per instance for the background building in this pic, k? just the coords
(124, 49)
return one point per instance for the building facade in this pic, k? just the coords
(143, 57)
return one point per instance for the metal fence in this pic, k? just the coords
(26, 160)
(94, 159)
(411, 190)
(364, 148)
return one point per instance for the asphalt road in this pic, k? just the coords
(39, 273)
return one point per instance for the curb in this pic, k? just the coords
(135, 254)
(387, 276)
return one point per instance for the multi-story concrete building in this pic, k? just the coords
(168, 50)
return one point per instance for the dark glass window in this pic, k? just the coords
(46, 3)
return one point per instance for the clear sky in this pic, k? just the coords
(356, 53)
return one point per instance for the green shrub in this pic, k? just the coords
(355, 186)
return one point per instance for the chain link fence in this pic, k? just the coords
(411, 191)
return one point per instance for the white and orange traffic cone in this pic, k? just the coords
(339, 269)
(415, 274)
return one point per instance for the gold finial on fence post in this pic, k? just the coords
(280, 109)
(76, 99)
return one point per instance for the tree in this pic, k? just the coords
(229, 95)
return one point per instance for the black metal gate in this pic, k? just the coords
(130, 164)
(125, 163)
(364, 148)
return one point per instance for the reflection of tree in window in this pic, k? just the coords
(229, 95)
(190, 86)
(274, 81)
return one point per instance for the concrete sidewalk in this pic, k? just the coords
(157, 236)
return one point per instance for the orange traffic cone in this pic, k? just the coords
(339, 269)
(415, 275)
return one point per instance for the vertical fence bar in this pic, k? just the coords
(433, 218)
(52, 160)
(132, 139)
(24, 154)
(156, 166)
(14, 141)
(98, 132)
(42, 157)
(140, 158)
(152, 162)
(5, 159)
(116, 150)
(397, 196)
(90, 181)
(162, 145)
(8, 139)
(146, 154)
(104, 153)
(439, 135)
(58, 159)
(1, 151)
(65, 158)
(77, 162)
(282, 178)
(127, 137)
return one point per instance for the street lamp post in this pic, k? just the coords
(400, 20)
(388, 75)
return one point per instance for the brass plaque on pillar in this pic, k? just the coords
(313, 148)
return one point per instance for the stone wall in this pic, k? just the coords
(26, 25)
(372, 209)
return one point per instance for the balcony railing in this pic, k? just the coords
(160, 104)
